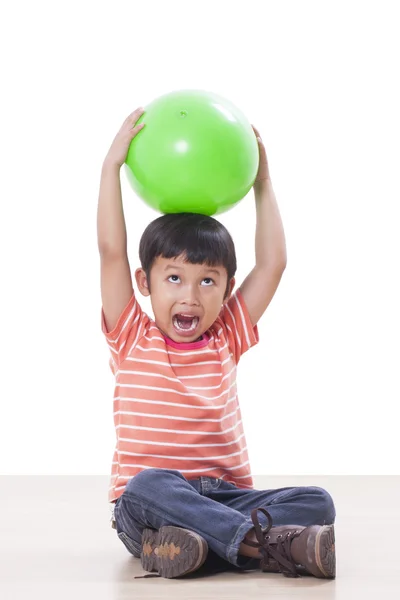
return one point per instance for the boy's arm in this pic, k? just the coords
(260, 285)
(116, 280)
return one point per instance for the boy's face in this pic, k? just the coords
(186, 298)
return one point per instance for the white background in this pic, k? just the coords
(319, 394)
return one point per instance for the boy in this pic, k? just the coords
(181, 483)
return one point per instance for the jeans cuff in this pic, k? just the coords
(233, 549)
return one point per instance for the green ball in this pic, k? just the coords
(197, 153)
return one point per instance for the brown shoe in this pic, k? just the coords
(287, 548)
(172, 551)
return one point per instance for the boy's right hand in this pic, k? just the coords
(119, 148)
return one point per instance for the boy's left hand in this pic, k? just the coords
(263, 170)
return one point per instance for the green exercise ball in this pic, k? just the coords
(197, 153)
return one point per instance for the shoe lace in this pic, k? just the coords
(280, 551)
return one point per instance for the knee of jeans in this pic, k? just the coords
(150, 480)
(328, 512)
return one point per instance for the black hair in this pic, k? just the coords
(200, 238)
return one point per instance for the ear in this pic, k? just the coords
(230, 289)
(142, 282)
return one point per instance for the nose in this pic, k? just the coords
(189, 295)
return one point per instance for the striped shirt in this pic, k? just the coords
(176, 404)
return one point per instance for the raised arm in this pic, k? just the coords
(261, 283)
(116, 279)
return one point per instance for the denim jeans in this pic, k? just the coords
(213, 508)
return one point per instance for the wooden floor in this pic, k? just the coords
(56, 543)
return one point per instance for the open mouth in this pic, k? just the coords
(185, 323)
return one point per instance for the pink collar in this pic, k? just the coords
(188, 345)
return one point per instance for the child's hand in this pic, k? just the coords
(120, 146)
(263, 170)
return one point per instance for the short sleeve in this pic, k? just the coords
(130, 327)
(236, 323)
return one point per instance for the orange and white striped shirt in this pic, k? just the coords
(176, 405)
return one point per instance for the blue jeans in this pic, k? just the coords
(213, 508)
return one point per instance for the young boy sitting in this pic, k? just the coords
(181, 484)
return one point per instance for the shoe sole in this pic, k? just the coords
(325, 555)
(172, 551)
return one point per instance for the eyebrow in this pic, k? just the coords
(175, 268)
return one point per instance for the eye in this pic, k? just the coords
(209, 280)
(174, 277)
